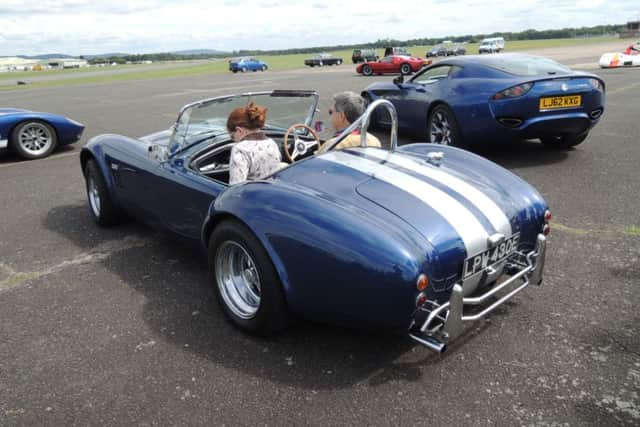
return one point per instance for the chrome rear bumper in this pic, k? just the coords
(435, 324)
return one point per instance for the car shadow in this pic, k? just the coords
(514, 154)
(180, 308)
(522, 154)
(9, 156)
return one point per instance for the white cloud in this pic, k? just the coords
(86, 27)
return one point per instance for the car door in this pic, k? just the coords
(183, 196)
(413, 100)
(385, 65)
(132, 170)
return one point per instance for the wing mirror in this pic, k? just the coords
(398, 80)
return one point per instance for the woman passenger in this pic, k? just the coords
(255, 156)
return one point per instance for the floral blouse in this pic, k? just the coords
(253, 159)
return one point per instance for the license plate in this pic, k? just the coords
(481, 261)
(554, 102)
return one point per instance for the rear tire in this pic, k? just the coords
(564, 141)
(245, 281)
(405, 69)
(442, 127)
(367, 70)
(103, 210)
(33, 139)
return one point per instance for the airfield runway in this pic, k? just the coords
(119, 326)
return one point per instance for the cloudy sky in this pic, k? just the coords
(79, 27)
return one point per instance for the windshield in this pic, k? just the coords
(208, 118)
(527, 65)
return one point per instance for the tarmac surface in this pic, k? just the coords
(119, 326)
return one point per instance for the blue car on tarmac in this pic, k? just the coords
(480, 98)
(420, 239)
(247, 64)
(34, 135)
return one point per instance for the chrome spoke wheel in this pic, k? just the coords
(35, 138)
(238, 279)
(94, 196)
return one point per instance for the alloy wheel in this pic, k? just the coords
(440, 131)
(35, 139)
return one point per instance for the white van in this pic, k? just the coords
(491, 45)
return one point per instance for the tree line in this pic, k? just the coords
(530, 34)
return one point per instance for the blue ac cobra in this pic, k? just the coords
(421, 238)
(34, 135)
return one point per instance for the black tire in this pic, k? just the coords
(564, 141)
(442, 127)
(264, 68)
(405, 69)
(367, 70)
(234, 71)
(106, 213)
(243, 69)
(34, 139)
(272, 314)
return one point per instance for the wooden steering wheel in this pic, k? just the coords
(300, 146)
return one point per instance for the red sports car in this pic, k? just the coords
(392, 64)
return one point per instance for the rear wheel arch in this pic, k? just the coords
(271, 315)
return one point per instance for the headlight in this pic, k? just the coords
(597, 84)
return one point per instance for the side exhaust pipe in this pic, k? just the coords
(430, 343)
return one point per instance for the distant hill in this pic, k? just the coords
(104, 55)
(46, 56)
(198, 52)
(189, 52)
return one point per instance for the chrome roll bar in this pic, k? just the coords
(362, 123)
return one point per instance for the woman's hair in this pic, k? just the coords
(250, 117)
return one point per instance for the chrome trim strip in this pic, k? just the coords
(4, 143)
(463, 221)
(430, 343)
(488, 207)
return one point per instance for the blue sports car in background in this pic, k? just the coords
(463, 101)
(409, 239)
(247, 64)
(34, 135)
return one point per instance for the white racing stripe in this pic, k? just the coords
(457, 215)
(488, 207)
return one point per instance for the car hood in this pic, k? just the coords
(455, 203)
(7, 111)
